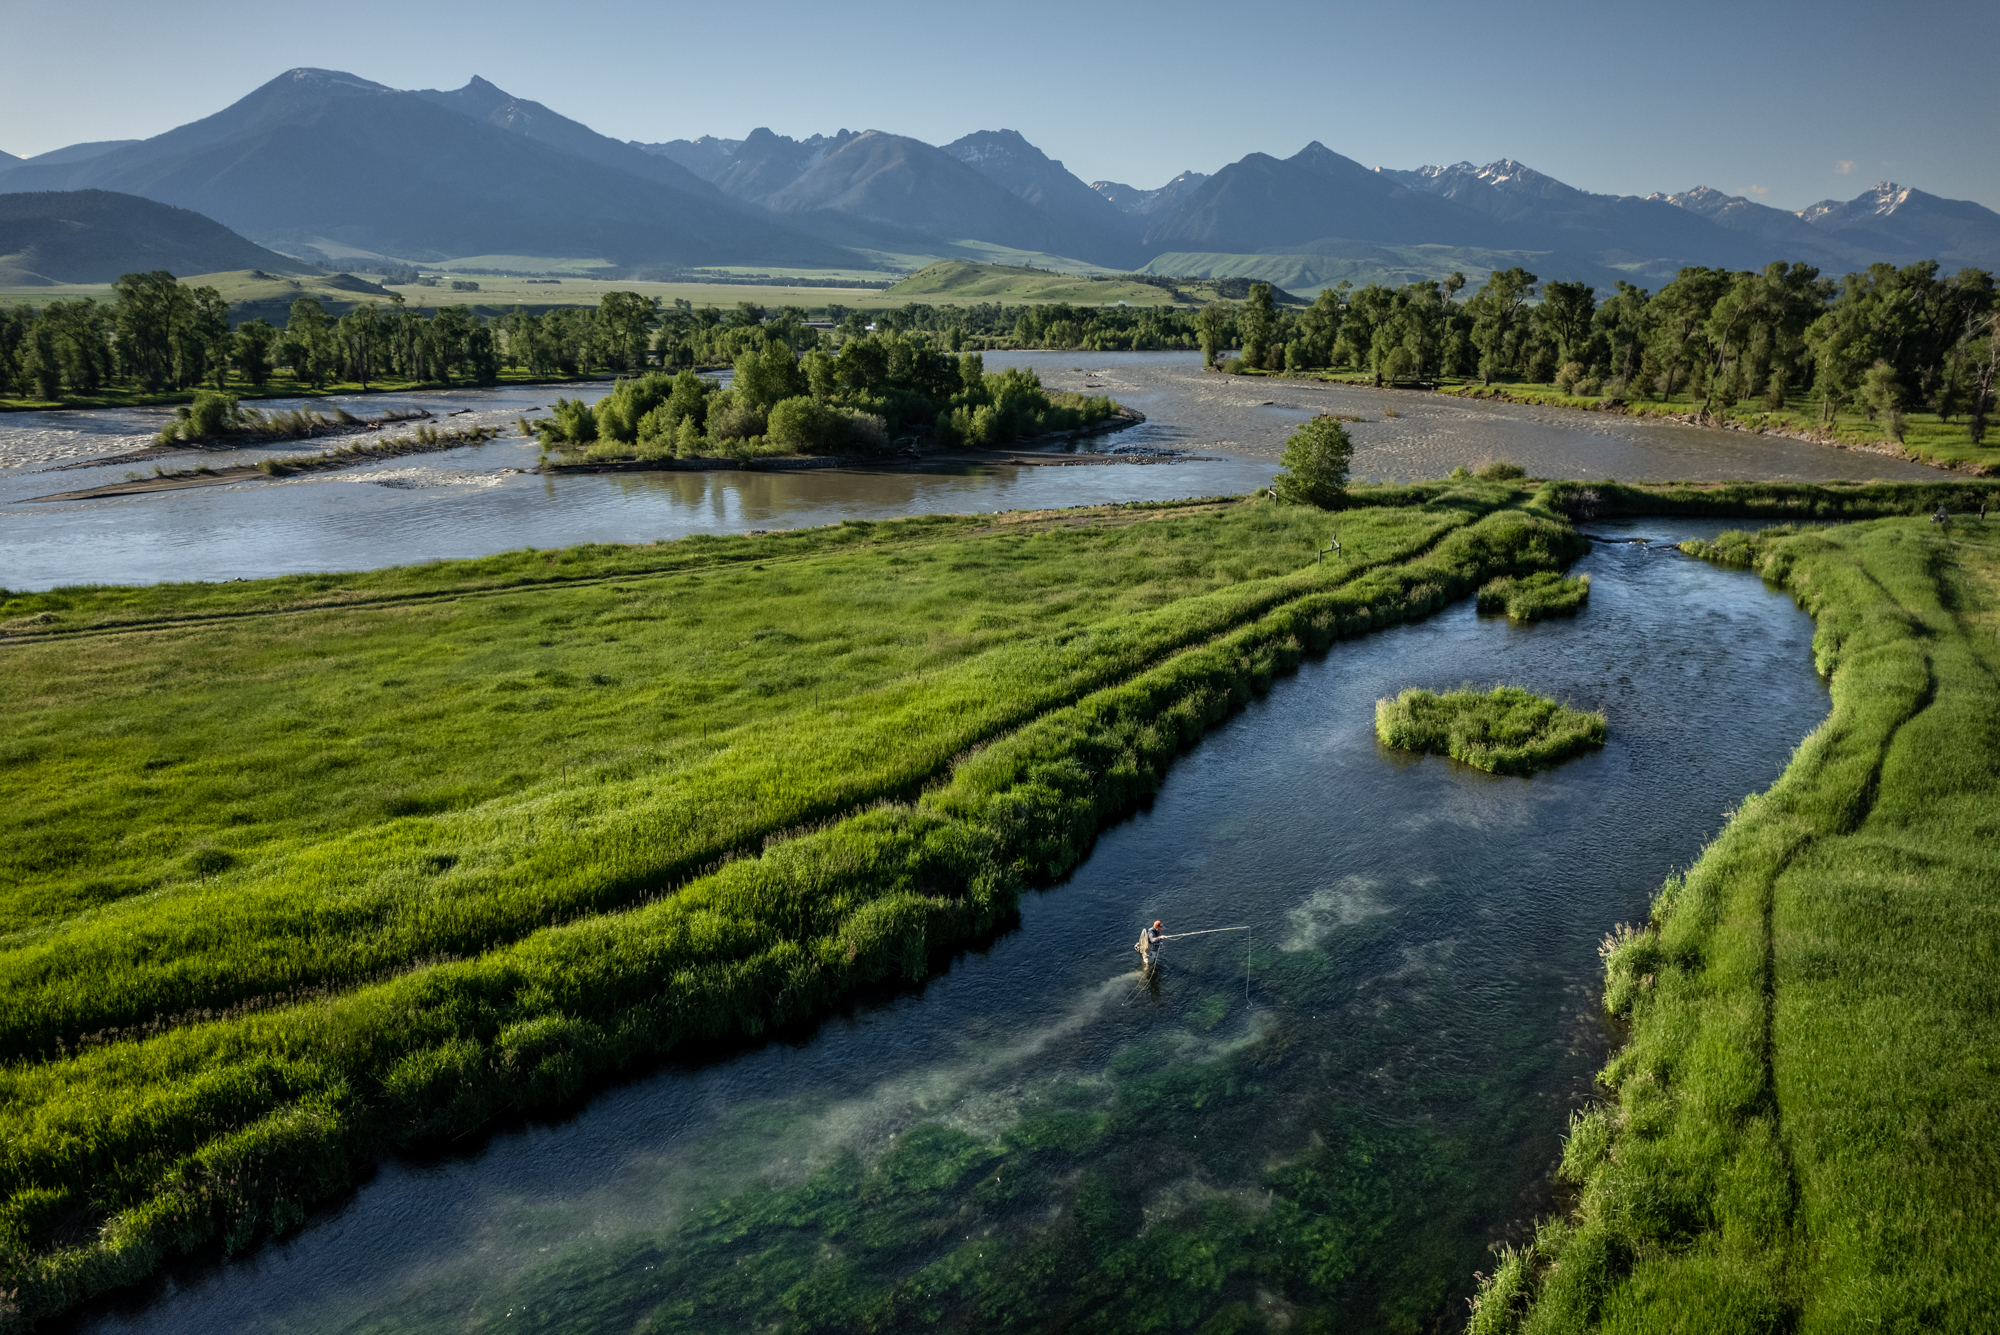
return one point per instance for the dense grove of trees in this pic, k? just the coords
(876, 387)
(156, 334)
(1888, 341)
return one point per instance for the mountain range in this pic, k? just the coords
(325, 164)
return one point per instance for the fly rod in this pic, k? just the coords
(1211, 931)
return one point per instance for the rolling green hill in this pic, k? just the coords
(92, 236)
(962, 280)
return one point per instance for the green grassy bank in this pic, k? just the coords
(1798, 1136)
(305, 868)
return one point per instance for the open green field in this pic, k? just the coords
(496, 294)
(305, 868)
(1361, 263)
(302, 868)
(1799, 1135)
(259, 292)
(958, 281)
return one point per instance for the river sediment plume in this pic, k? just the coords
(1799, 1133)
(1507, 730)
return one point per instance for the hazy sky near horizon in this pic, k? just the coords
(1785, 103)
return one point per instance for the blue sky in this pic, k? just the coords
(1788, 103)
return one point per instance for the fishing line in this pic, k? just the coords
(1211, 931)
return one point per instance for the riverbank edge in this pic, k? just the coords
(246, 393)
(274, 469)
(1660, 412)
(1035, 450)
(922, 882)
(1723, 1182)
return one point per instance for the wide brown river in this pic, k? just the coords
(474, 501)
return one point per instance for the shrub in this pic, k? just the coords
(622, 414)
(573, 423)
(1316, 461)
(212, 414)
(1569, 377)
(803, 425)
(1499, 470)
(733, 418)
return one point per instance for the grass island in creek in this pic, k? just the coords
(1506, 730)
(312, 868)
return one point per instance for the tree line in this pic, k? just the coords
(1888, 341)
(877, 387)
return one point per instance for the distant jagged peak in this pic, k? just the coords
(987, 145)
(1321, 158)
(1882, 199)
(812, 149)
(1133, 200)
(1705, 200)
(1441, 170)
(1888, 196)
(1505, 175)
(305, 76)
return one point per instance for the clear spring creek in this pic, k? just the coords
(1035, 1138)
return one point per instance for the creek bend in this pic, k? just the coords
(1423, 1011)
(473, 501)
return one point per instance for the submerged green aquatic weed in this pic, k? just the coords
(1507, 730)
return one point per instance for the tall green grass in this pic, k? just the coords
(202, 1058)
(221, 910)
(1533, 597)
(1507, 730)
(1800, 502)
(1799, 1135)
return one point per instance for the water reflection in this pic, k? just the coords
(469, 502)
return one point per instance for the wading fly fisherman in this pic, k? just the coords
(1149, 945)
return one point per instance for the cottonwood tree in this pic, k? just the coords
(1498, 319)
(250, 350)
(626, 322)
(1315, 464)
(1566, 312)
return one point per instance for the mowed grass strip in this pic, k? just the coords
(251, 814)
(225, 1129)
(1802, 1132)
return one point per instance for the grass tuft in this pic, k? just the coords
(1507, 730)
(1534, 596)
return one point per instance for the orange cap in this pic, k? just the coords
(1156, 922)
